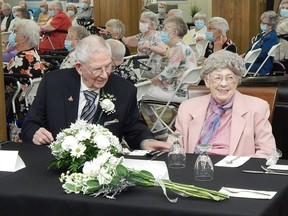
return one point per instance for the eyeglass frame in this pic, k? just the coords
(230, 79)
(98, 71)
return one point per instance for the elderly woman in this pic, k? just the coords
(75, 34)
(162, 14)
(265, 40)
(180, 58)
(118, 52)
(282, 30)
(145, 40)
(27, 60)
(216, 35)
(71, 11)
(233, 123)
(196, 36)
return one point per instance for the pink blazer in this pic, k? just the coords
(251, 132)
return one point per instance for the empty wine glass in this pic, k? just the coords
(203, 169)
(176, 155)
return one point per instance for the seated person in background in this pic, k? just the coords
(162, 9)
(12, 23)
(196, 36)
(10, 51)
(61, 98)
(7, 17)
(56, 29)
(23, 4)
(216, 35)
(44, 17)
(265, 40)
(282, 31)
(181, 57)
(71, 11)
(233, 123)
(75, 34)
(175, 12)
(114, 29)
(85, 11)
(147, 38)
(120, 69)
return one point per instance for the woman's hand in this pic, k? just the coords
(156, 81)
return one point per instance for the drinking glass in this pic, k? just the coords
(176, 155)
(203, 169)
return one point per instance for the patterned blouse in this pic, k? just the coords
(125, 72)
(26, 62)
(228, 45)
(180, 58)
(69, 61)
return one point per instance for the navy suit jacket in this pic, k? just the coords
(56, 107)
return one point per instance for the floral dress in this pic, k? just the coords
(125, 72)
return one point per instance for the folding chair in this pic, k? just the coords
(250, 58)
(31, 93)
(142, 88)
(271, 53)
(190, 77)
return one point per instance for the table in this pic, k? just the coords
(37, 191)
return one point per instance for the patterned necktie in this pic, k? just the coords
(90, 108)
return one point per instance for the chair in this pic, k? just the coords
(190, 77)
(250, 58)
(31, 93)
(268, 94)
(142, 88)
(271, 53)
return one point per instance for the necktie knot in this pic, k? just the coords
(90, 95)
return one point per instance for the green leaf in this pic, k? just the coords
(93, 183)
(142, 178)
(121, 170)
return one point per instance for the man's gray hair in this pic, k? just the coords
(223, 59)
(221, 24)
(117, 48)
(89, 46)
(29, 29)
(152, 17)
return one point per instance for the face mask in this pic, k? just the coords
(6, 13)
(84, 6)
(161, 10)
(14, 15)
(143, 27)
(11, 39)
(263, 27)
(70, 13)
(199, 24)
(164, 36)
(51, 13)
(209, 36)
(67, 45)
(42, 9)
(284, 13)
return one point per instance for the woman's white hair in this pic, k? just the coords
(29, 29)
(221, 24)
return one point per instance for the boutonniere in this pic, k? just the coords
(106, 103)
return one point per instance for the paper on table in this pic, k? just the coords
(157, 168)
(278, 167)
(247, 193)
(236, 163)
(139, 152)
(10, 161)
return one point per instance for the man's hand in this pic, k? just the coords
(42, 137)
(155, 145)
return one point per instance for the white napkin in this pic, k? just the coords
(139, 152)
(236, 163)
(278, 167)
(157, 168)
(247, 193)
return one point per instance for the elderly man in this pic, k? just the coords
(56, 30)
(85, 11)
(43, 16)
(67, 95)
(6, 17)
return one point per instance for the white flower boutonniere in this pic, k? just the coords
(106, 103)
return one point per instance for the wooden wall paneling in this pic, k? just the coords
(3, 128)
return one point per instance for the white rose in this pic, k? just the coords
(68, 142)
(101, 141)
(91, 168)
(107, 105)
(83, 135)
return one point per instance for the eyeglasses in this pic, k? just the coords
(211, 28)
(218, 79)
(100, 70)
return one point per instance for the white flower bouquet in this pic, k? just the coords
(82, 142)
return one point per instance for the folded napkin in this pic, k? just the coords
(139, 152)
(232, 161)
(247, 193)
(278, 168)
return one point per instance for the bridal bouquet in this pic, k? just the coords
(95, 150)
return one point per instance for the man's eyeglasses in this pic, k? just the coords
(98, 71)
(218, 79)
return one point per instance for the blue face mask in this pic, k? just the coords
(84, 6)
(42, 9)
(199, 24)
(67, 45)
(14, 15)
(161, 10)
(11, 39)
(51, 13)
(284, 13)
(164, 36)
(209, 36)
(263, 27)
